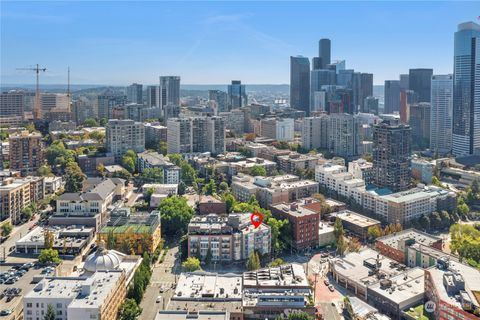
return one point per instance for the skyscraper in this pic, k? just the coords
(392, 96)
(134, 93)
(466, 90)
(319, 78)
(12, 105)
(152, 92)
(300, 83)
(324, 46)
(107, 101)
(169, 91)
(237, 95)
(441, 113)
(124, 135)
(370, 105)
(404, 80)
(391, 154)
(407, 98)
(420, 125)
(420, 80)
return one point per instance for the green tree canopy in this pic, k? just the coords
(49, 255)
(176, 214)
(6, 229)
(74, 177)
(253, 262)
(258, 171)
(210, 188)
(129, 310)
(152, 175)
(50, 314)
(191, 264)
(129, 160)
(90, 122)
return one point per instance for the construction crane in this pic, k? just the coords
(36, 109)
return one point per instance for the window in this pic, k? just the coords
(29, 305)
(59, 305)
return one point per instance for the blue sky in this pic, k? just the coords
(119, 42)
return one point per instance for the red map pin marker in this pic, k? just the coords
(256, 219)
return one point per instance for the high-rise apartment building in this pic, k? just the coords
(343, 136)
(391, 154)
(392, 96)
(220, 98)
(196, 135)
(364, 89)
(152, 93)
(420, 124)
(314, 132)
(441, 114)
(134, 93)
(281, 129)
(26, 154)
(107, 101)
(124, 135)
(419, 80)
(169, 91)
(407, 98)
(300, 83)
(466, 90)
(237, 95)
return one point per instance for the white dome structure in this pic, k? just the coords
(102, 260)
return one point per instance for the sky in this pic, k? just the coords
(120, 42)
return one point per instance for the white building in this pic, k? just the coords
(124, 135)
(279, 129)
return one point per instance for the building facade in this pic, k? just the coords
(441, 114)
(300, 83)
(26, 152)
(124, 135)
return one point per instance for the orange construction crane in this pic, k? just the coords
(36, 109)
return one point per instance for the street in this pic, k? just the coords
(16, 234)
(163, 275)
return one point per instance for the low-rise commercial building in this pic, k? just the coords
(454, 288)
(395, 245)
(52, 184)
(355, 222)
(326, 235)
(268, 292)
(210, 204)
(231, 238)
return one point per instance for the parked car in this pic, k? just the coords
(159, 299)
(327, 283)
(331, 288)
(6, 312)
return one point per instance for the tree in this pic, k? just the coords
(424, 222)
(462, 207)
(103, 122)
(129, 310)
(50, 314)
(208, 257)
(253, 262)
(6, 229)
(27, 213)
(435, 220)
(210, 188)
(338, 229)
(74, 177)
(368, 157)
(229, 201)
(129, 160)
(90, 122)
(374, 232)
(191, 264)
(162, 147)
(152, 175)
(58, 155)
(299, 316)
(101, 169)
(276, 263)
(258, 171)
(437, 182)
(250, 137)
(49, 255)
(445, 219)
(354, 245)
(223, 186)
(276, 226)
(341, 245)
(176, 214)
(123, 174)
(45, 171)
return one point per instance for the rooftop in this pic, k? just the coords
(420, 237)
(84, 292)
(355, 218)
(201, 285)
(284, 276)
(402, 287)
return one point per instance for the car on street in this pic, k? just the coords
(327, 283)
(159, 299)
(331, 288)
(6, 312)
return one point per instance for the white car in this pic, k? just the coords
(159, 299)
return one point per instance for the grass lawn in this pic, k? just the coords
(419, 313)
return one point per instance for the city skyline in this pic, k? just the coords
(209, 42)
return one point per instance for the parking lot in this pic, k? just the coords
(24, 284)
